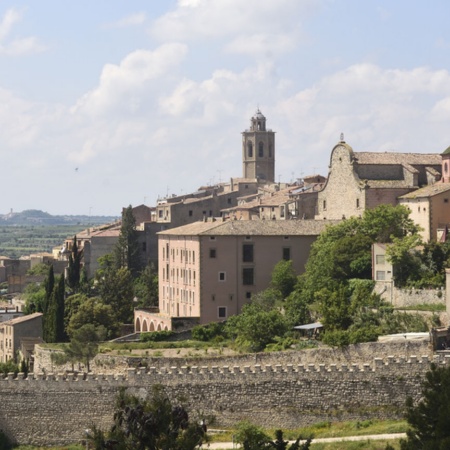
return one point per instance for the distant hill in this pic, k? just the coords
(37, 217)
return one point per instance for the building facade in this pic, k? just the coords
(363, 180)
(209, 270)
(258, 150)
(13, 331)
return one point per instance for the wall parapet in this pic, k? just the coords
(379, 366)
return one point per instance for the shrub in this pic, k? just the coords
(156, 336)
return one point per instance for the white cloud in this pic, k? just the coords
(238, 21)
(131, 20)
(11, 17)
(16, 46)
(123, 87)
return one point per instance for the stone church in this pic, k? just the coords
(363, 180)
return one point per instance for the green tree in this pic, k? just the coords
(146, 287)
(93, 311)
(49, 285)
(83, 344)
(256, 327)
(297, 310)
(152, 424)
(59, 299)
(126, 252)
(73, 271)
(284, 278)
(251, 437)
(53, 320)
(429, 419)
(343, 251)
(115, 288)
(34, 294)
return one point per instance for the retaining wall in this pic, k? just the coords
(56, 409)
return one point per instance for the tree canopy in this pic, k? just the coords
(151, 424)
(429, 419)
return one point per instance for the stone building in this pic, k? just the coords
(205, 203)
(430, 209)
(209, 270)
(364, 180)
(13, 331)
(258, 150)
(430, 205)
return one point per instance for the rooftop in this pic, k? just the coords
(428, 191)
(252, 228)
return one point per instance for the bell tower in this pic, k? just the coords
(258, 150)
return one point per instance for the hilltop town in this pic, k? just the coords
(203, 257)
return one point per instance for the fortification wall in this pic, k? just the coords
(352, 354)
(57, 409)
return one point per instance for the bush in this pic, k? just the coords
(336, 338)
(156, 336)
(208, 332)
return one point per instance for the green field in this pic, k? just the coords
(17, 241)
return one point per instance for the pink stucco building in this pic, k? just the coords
(209, 270)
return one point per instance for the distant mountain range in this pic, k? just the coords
(37, 217)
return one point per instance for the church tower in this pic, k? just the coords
(258, 150)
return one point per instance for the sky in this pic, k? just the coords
(107, 103)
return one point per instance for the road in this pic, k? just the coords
(372, 437)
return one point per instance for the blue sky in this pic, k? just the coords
(108, 103)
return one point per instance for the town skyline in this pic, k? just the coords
(105, 105)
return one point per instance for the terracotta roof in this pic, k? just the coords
(22, 319)
(422, 159)
(252, 228)
(428, 191)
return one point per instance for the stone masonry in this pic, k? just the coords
(57, 409)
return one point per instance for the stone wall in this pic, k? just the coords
(57, 409)
(352, 354)
(409, 297)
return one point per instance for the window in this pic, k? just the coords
(357, 202)
(247, 276)
(250, 149)
(381, 275)
(261, 150)
(247, 253)
(380, 259)
(231, 297)
(229, 201)
(222, 312)
(212, 238)
(222, 276)
(445, 200)
(212, 253)
(190, 213)
(160, 213)
(213, 297)
(248, 295)
(286, 253)
(324, 205)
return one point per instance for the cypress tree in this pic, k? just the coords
(73, 271)
(49, 284)
(59, 299)
(126, 252)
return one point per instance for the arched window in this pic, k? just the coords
(249, 149)
(261, 150)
